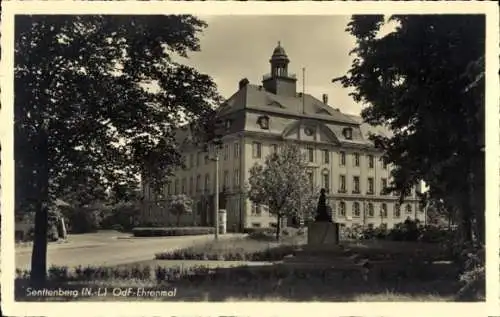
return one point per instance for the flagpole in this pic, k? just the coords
(303, 90)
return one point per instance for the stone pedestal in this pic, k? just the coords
(322, 233)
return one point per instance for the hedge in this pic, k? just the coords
(268, 254)
(171, 231)
(407, 231)
(250, 274)
(259, 230)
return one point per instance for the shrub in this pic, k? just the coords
(409, 230)
(117, 227)
(82, 220)
(172, 231)
(268, 254)
(260, 230)
(473, 277)
(121, 217)
(58, 273)
(262, 236)
(53, 233)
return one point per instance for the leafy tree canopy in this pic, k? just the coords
(180, 205)
(425, 81)
(282, 183)
(86, 118)
(82, 79)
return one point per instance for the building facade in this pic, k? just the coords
(257, 119)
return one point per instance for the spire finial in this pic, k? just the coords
(279, 43)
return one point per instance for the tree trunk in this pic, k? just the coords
(41, 180)
(39, 254)
(466, 220)
(278, 227)
(476, 188)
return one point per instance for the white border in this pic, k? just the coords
(9, 307)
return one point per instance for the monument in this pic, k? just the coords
(323, 231)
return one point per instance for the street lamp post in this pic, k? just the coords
(216, 203)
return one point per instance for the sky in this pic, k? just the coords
(237, 47)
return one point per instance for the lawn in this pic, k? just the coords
(264, 283)
(194, 278)
(237, 249)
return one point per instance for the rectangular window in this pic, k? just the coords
(176, 189)
(184, 182)
(310, 154)
(191, 160)
(355, 180)
(226, 152)
(356, 209)
(397, 211)
(207, 183)
(256, 150)
(342, 209)
(326, 157)
(198, 183)
(226, 179)
(342, 184)
(356, 159)
(256, 224)
(236, 178)
(236, 150)
(198, 159)
(274, 148)
(370, 185)
(259, 210)
(342, 158)
(370, 161)
(384, 186)
(169, 188)
(310, 176)
(191, 186)
(383, 211)
(254, 209)
(384, 165)
(326, 181)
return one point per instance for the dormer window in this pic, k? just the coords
(347, 133)
(308, 131)
(263, 122)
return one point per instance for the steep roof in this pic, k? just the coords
(367, 129)
(257, 98)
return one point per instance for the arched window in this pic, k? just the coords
(342, 209)
(371, 210)
(356, 211)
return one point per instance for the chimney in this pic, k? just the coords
(243, 83)
(325, 99)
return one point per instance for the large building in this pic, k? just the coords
(257, 118)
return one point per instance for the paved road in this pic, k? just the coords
(107, 249)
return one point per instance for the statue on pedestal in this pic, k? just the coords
(322, 210)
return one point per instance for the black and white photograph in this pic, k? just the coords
(193, 157)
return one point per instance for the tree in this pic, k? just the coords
(180, 205)
(425, 81)
(84, 116)
(282, 184)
